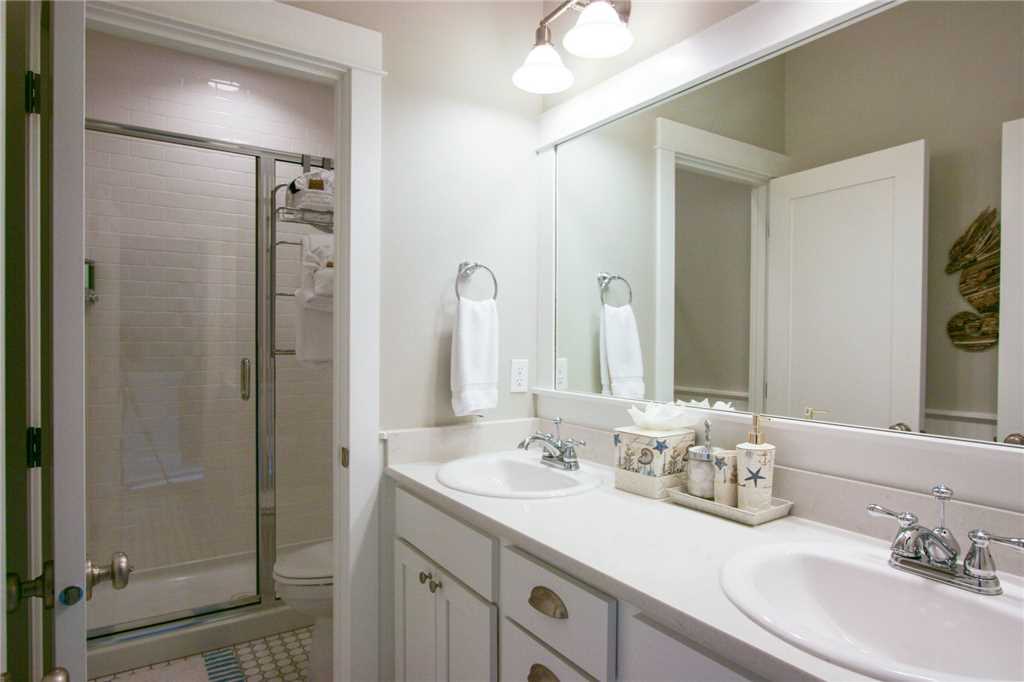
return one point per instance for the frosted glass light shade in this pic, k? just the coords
(543, 72)
(598, 33)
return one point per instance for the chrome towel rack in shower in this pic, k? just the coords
(321, 220)
(467, 270)
(604, 280)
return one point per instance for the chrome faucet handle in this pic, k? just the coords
(942, 494)
(905, 519)
(575, 442)
(978, 563)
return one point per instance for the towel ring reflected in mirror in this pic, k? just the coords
(604, 280)
(467, 270)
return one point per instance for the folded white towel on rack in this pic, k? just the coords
(316, 252)
(474, 378)
(323, 282)
(622, 361)
(313, 190)
(309, 299)
(314, 336)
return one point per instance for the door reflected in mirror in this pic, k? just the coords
(832, 234)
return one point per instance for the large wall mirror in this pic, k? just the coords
(821, 235)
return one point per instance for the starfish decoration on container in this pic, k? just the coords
(754, 476)
(617, 439)
(660, 446)
(719, 463)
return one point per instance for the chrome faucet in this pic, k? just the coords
(934, 553)
(558, 453)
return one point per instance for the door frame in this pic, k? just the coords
(680, 146)
(306, 45)
(1010, 402)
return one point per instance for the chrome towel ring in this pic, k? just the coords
(467, 270)
(604, 280)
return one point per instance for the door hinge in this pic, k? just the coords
(33, 93)
(34, 447)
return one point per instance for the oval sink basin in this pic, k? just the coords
(514, 474)
(845, 604)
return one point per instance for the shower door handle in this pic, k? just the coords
(245, 379)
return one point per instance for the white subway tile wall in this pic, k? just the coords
(155, 87)
(171, 456)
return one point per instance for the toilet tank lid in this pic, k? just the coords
(311, 561)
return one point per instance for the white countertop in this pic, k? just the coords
(660, 557)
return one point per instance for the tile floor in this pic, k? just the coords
(278, 658)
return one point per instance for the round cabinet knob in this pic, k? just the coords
(1014, 439)
(424, 577)
(435, 585)
(120, 570)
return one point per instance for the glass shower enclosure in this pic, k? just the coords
(183, 453)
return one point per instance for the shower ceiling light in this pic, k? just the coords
(601, 31)
(543, 72)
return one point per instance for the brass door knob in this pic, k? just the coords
(57, 675)
(119, 572)
(541, 673)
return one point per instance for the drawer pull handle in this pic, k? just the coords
(547, 602)
(424, 577)
(540, 673)
(434, 586)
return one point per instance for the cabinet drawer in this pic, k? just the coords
(464, 551)
(524, 659)
(573, 619)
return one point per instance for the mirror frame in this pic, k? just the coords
(748, 37)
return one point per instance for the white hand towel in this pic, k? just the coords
(314, 336)
(323, 282)
(475, 357)
(314, 253)
(622, 362)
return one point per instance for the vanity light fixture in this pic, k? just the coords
(601, 31)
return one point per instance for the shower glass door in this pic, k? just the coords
(171, 361)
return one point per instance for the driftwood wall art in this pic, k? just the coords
(975, 255)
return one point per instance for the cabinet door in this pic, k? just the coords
(467, 634)
(649, 652)
(416, 642)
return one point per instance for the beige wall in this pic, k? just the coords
(458, 184)
(712, 285)
(948, 72)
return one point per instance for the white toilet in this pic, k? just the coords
(304, 581)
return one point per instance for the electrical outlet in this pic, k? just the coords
(519, 376)
(561, 374)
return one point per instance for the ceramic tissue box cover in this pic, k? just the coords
(652, 453)
(651, 462)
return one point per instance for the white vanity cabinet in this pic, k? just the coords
(649, 652)
(444, 628)
(450, 580)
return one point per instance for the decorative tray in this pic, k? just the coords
(777, 510)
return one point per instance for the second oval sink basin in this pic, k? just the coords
(514, 474)
(845, 604)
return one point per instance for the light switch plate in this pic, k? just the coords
(519, 376)
(561, 374)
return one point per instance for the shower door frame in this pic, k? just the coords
(266, 387)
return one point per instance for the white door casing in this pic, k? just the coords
(699, 151)
(846, 289)
(279, 37)
(1010, 417)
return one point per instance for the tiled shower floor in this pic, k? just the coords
(280, 658)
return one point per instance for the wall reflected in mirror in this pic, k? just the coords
(820, 235)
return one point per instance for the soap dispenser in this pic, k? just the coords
(755, 470)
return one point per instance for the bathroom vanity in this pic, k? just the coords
(605, 585)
